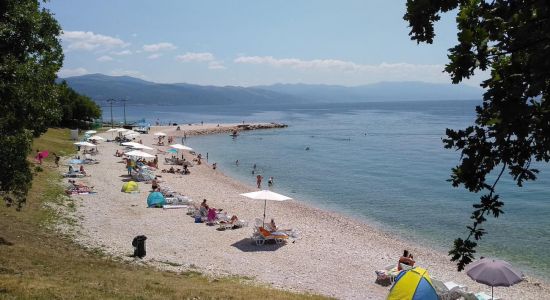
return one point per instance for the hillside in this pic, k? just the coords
(382, 91)
(102, 87)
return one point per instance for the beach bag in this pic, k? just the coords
(139, 246)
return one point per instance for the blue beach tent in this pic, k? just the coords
(414, 284)
(155, 199)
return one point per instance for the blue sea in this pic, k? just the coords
(383, 163)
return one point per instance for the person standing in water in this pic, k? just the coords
(259, 180)
(270, 181)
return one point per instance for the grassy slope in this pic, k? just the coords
(38, 263)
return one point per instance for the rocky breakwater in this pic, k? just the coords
(231, 129)
(261, 126)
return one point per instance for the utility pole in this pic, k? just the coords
(124, 106)
(111, 102)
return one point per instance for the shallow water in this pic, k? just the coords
(380, 162)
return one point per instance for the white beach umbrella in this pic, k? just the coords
(90, 132)
(136, 145)
(121, 129)
(96, 138)
(181, 147)
(112, 129)
(138, 153)
(140, 146)
(160, 134)
(266, 195)
(85, 144)
(132, 135)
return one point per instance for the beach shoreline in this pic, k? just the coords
(335, 256)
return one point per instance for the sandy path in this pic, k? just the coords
(335, 256)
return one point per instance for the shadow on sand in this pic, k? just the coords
(248, 245)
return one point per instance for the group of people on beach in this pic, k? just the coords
(259, 177)
(211, 215)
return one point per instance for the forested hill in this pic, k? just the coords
(102, 87)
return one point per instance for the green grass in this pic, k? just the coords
(38, 263)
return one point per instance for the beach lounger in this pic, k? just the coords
(264, 235)
(174, 206)
(451, 285)
(74, 175)
(450, 290)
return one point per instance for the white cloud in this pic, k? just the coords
(158, 47)
(63, 73)
(104, 58)
(297, 63)
(369, 73)
(88, 41)
(123, 52)
(154, 56)
(216, 65)
(131, 73)
(196, 57)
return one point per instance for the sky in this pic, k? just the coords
(249, 43)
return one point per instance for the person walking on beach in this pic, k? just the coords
(259, 180)
(129, 166)
(56, 159)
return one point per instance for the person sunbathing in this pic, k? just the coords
(406, 259)
(234, 221)
(73, 183)
(75, 188)
(272, 226)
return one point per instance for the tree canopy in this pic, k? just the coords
(512, 127)
(30, 56)
(76, 109)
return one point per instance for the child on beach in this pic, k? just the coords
(155, 184)
(39, 156)
(57, 158)
(129, 166)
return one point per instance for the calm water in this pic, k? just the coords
(393, 176)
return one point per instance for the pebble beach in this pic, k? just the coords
(334, 255)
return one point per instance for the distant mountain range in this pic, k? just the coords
(101, 87)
